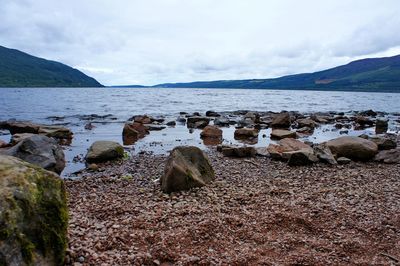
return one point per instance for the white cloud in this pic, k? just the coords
(156, 41)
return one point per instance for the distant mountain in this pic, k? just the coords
(18, 69)
(374, 74)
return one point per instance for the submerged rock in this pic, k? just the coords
(33, 215)
(102, 151)
(41, 151)
(355, 148)
(186, 168)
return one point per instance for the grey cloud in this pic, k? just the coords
(156, 41)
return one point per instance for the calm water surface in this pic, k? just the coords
(38, 104)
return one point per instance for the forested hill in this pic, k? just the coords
(19, 69)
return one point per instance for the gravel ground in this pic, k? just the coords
(257, 212)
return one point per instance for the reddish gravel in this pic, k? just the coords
(257, 212)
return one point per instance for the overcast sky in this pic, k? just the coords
(156, 41)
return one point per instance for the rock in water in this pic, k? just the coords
(354, 148)
(187, 167)
(102, 151)
(211, 132)
(133, 131)
(243, 133)
(282, 134)
(41, 151)
(381, 126)
(281, 120)
(33, 215)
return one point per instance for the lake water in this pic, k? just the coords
(66, 106)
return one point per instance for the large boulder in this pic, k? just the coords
(186, 168)
(282, 134)
(41, 151)
(286, 145)
(281, 120)
(33, 215)
(354, 148)
(102, 151)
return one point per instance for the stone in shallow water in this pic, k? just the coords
(243, 133)
(102, 151)
(186, 168)
(282, 134)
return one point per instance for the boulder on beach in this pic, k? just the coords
(186, 168)
(243, 133)
(281, 120)
(102, 151)
(324, 154)
(33, 215)
(41, 151)
(301, 157)
(211, 132)
(388, 156)
(282, 134)
(384, 142)
(354, 148)
(237, 151)
(286, 145)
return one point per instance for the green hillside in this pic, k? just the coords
(374, 74)
(18, 69)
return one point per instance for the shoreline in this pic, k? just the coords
(256, 211)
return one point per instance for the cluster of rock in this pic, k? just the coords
(37, 144)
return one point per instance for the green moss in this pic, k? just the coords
(120, 151)
(37, 216)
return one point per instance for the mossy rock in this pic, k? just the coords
(101, 151)
(33, 214)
